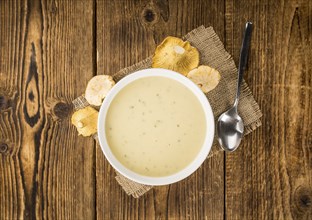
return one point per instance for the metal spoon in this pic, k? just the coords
(230, 126)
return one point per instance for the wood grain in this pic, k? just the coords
(46, 171)
(49, 49)
(128, 32)
(269, 177)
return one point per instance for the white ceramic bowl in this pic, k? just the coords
(199, 159)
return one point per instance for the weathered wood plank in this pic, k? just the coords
(12, 24)
(127, 32)
(270, 175)
(46, 61)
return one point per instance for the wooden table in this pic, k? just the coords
(51, 48)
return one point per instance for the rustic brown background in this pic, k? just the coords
(51, 48)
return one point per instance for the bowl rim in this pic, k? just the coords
(202, 154)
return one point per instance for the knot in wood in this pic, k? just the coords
(3, 147)
(3, 102)
(149, 15)
(303, 198)
(305, 201)
(62, 110)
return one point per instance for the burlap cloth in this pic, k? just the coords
(212, 53)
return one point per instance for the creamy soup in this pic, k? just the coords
(155, 126)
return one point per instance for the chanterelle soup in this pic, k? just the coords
(155, 126)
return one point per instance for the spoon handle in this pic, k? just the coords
(243, 59)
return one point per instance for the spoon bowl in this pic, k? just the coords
(230, 130)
